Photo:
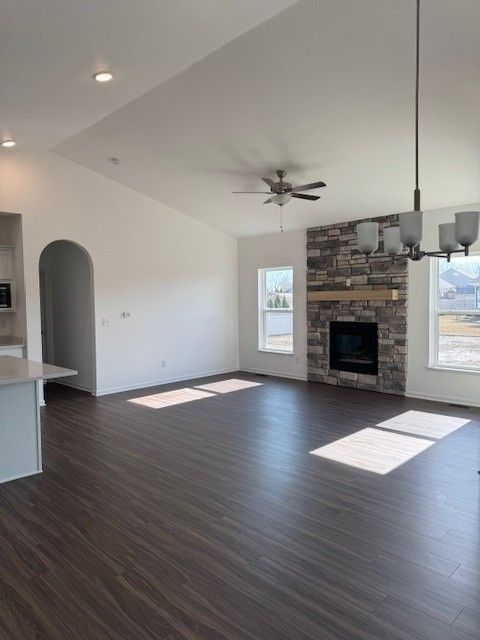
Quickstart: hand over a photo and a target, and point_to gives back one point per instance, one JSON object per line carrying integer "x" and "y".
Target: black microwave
{"x": 5, "y": 295}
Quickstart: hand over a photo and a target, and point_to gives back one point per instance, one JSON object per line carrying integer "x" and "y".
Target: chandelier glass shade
{"x": 411, "y": 228}
{"x": 466, "y": 227}
{"x": 367, "y": 236}
{"x": 446, "y": 237}
{"x": 392, "y": 243}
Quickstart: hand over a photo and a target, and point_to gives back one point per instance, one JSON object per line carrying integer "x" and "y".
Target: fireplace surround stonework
{"x": 332, "y": 258}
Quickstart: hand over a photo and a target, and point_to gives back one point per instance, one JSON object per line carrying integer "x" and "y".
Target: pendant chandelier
{"x": 454, "y": 237}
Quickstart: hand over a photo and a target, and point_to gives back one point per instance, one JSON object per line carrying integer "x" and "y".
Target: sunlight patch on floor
{"x": 423, "y": 423}
{"x": 374, "y": 450}
{"x": 227, "y": 386}
{"x": 190, "y": 394}
{"x": 171, "y": 398}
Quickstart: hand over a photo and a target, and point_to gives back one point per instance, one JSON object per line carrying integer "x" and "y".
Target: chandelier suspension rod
{"x": 416, "y": 204}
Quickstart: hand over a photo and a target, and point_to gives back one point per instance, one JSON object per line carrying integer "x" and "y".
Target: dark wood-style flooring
{"x": 210, "y": 519}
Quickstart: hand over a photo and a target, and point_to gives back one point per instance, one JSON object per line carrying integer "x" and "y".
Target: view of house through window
{"x": 276, "y": 309}
{"x": 456, "y": 313}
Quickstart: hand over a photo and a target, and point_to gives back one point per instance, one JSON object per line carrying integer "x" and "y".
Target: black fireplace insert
{"x": 354, "y": 347}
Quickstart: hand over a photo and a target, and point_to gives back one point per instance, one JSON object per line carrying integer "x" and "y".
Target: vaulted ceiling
{"x": 49, "y": 50}
{"x": 209, "y": 96}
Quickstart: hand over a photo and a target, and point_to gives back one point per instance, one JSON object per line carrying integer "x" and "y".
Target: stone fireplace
{"x": 355, "y": 342}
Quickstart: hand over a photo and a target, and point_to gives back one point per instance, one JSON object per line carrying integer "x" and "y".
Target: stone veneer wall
{"x": 332, "y": 257}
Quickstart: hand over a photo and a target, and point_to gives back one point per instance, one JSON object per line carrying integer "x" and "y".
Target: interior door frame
{"x": 47, "y": 311}
{"x": 46, "y": 315}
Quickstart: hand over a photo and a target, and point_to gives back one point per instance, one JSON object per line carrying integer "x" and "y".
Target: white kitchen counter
{"x": 20, "y": 437}
{"x": 15, "y": 370}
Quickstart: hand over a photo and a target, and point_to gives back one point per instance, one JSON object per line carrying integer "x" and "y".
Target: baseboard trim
{"x": 443, "y": 399}
{"x": 158, "y": 383}
{"x": 276, "y": 374}
{"x": 73, "y": 385}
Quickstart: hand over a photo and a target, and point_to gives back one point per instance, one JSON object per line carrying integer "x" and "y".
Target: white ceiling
{"x": 322, "y": 89}
{"x": 49, "y": 50}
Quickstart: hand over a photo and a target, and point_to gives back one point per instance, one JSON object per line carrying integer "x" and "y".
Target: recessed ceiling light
{"x": 8, "y": 143}
{"x": 103, "y": 76}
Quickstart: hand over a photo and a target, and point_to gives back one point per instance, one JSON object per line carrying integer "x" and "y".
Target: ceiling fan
{"x": 282, "y": 191}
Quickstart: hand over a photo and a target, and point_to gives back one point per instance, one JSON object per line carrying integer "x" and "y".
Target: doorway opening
{"x": 67, "y": 311}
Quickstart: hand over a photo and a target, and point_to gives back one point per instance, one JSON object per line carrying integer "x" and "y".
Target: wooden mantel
{"x": 353, "y": 294}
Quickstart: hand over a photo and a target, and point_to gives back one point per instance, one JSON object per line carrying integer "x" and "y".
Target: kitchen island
{"x": 20, "y": 433}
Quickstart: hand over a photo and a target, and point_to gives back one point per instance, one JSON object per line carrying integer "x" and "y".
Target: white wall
{"x": 69, "y": 300}
{"x": 422, "y": 382}
{"x": 279, "y": 250}
{"x": 176, "y": 276}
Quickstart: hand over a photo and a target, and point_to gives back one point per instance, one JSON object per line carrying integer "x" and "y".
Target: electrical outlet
{"x": 125, "y": 314}
{"x": 105, "y": 322}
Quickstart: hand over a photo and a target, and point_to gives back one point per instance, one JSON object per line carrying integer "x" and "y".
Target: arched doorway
{"x": 67, "y": 311}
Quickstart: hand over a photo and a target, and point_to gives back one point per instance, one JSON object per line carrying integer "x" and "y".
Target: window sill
{"x": 282, "y": 353}
{"x": 475, "y": 372}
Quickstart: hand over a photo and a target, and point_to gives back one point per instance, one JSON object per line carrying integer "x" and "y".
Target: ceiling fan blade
{"x": 250, "y": 191}
{"x": 267, "y": 201}
{"x": 306, "y": 187}
{"x": 268, "y": 181}
{"x": 304, "y": 196}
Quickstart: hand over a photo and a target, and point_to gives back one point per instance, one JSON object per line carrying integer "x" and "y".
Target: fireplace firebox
{"x": 354, "y": 347}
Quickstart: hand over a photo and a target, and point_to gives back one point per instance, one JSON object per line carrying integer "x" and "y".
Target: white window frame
{"x": 262, "y": 311}
{"x": 434, "y": 324}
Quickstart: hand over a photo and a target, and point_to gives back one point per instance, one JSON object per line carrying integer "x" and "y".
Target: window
{"x": 455, "y": 340}
{"x": 275, "y": 309}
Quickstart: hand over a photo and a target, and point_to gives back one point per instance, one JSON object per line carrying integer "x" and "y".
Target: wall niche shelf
{"x": 353, "y": 294}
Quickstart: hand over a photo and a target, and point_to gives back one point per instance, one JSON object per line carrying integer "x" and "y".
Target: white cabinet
{"x": 6, "y": 263}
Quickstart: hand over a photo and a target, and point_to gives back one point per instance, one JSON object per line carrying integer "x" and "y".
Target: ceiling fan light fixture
{"x": 281, "y": 199}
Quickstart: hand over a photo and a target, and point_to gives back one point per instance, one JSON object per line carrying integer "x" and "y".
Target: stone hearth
{"x": 332, "y": 258}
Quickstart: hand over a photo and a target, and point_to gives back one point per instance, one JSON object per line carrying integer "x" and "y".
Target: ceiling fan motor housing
{"x": 281, "y": 187}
